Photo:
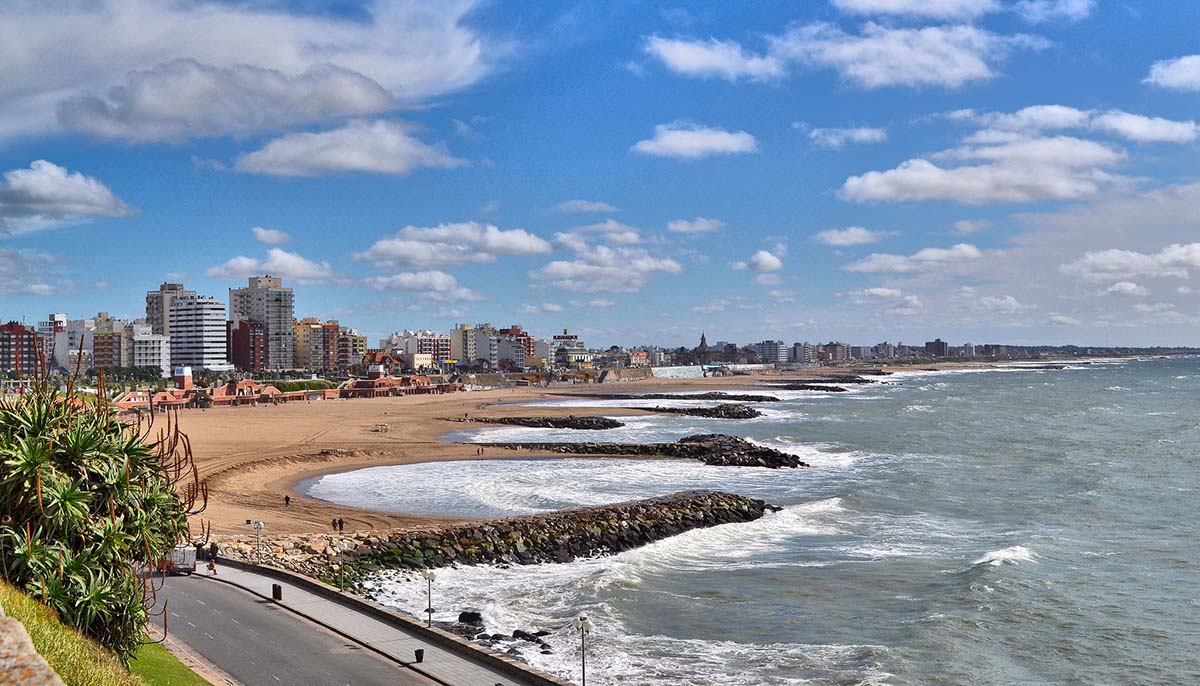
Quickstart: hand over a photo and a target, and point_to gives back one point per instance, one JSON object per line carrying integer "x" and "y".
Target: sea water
{"x": 1027, "y": 526}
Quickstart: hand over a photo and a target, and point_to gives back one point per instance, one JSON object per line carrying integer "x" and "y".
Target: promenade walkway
{"x": 440, "y": 664}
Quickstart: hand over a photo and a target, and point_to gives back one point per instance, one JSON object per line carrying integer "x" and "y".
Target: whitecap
{"x": 1011, "y": 555}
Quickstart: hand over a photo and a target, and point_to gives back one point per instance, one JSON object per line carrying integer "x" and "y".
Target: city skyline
{"x": 857, "y": 170}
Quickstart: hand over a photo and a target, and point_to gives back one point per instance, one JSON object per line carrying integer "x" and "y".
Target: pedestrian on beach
{"x": 212, "y": 551}
{"x": 333, "y": 524}
{"x": 287, "y": 500}
{"x": 341, "y": 524}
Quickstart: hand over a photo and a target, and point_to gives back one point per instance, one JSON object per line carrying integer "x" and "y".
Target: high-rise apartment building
{"x": 437, "y": 346}
{"x": 248, "y": 345}
{"x": 315, "y": 343}
{"x": 20, "y": 350}
{"x": 937, "y": 348}
{"x": 152, "y": 350}
{"x": 264, "y": 299}
{"x": 352, "y": 347}
{"x": 158, "y": 306}
{"x": 198, "y": 333}
{"x": 771, "y": 352}
{"x": 462, "y": 344}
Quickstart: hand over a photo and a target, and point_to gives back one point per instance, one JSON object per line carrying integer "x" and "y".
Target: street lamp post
{"x": 429, "y": 577}
{"x": 341, "y": 546}
{"x": 585, "y": 626}
{"x": 258, "y": 527}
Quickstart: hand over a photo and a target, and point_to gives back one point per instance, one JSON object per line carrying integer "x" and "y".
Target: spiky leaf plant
{"x": 88, "y": 503}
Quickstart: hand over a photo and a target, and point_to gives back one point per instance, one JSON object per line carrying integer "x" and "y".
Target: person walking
{"x": 333, "y": 524}
{"x": 212, "y": 566}
{"x": 341, "y": 525}
{"x": 287, "y": 500}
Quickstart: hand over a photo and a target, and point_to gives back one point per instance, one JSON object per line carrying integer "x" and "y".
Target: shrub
{"x": 88, "y": 503}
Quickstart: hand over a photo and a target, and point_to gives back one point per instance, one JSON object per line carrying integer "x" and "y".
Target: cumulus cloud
{"x": 1105, "y": 265}
{"x": 1060, "y": 319}
{"x": 689, "y": 141}
{"x": 1042, "y": 11}
{"x": 713, "y": 59}
{"x": 1153, "y": 307}
{"x": 271, "y": 236}
{"x": 897, "y": 301}
{"x": 837, "y": 138}
{"x": 278, "y": 262}
{"x": 695, "y": 225}
{"x": 925, "y": 9}
{"x": 964, "y": 227}
{"x": 851, "y": 235}
{"x": 882, "y": 56}
{"x": 1145, "y": 129}
{"x": 922, "y": 260}
{"x": 605, "y": 269}
{"x": 428, "y": 285}
{"x": 586, "y": 206}
{"x": 185, "y": 99}
{"x": 378, "y": 147}
{"x": 609, "y": 230}
{"x": 1126, "y": 288}
{"x": 970, "y": 299}
{"x": 711, "y": 307}
{"x": 234, "y": 48}
{"x": 544, "y": 308}
{"x": 601, "y": 302}
{"x": 46, "y": 195}
{"x": 1179, "y": 73}
{"x": 760, "y": 261}
{"x": 1016, "y": 169}
{"x": 451, "y": 245}
{"x": 27, "y": 272}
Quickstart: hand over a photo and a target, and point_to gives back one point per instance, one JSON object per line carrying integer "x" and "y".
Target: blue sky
{"x": 986, "y": 170}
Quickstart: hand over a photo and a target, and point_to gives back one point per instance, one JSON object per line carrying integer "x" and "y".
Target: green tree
{"x": 88, "y": 504}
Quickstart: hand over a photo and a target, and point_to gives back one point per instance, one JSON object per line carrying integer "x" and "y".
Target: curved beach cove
{"x": 1002, "y": 527}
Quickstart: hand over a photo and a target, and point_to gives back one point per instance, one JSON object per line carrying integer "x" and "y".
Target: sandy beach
{"x": 254, "y": 456}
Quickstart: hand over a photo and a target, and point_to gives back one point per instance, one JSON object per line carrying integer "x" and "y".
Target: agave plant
{"x": 88, "y": 503}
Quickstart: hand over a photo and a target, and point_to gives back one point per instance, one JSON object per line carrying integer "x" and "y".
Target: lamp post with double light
{"x": 429, "y": 577}
{"x": 585, "y": 626}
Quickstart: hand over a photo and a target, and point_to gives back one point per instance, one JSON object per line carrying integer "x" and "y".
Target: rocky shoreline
{"x": 722, "y": 411}
{"x": 711, "y": 449}
{"x": 561, "y": 536}
{"x": 808, "y": 387}
{"x": 587, "y": 423}
{"x": 710, "y": 395}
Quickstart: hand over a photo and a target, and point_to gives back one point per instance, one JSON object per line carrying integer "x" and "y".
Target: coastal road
{"x": 260, "y": 643}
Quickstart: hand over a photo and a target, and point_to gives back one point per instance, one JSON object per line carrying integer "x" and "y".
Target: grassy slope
{"x": 81, "y": 661}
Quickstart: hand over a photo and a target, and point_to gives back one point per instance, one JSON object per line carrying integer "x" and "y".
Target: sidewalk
{"x": 440, "y": 664}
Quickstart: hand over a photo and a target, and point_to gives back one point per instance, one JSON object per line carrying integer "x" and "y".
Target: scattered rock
{"x": 470, "y": 617}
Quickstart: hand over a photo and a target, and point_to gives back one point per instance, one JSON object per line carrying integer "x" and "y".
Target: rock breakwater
{"x": 554, "y": 537}
{"x": 722, "y": 411}
{"x": 569, "y": 422}
{"x": 709, "y": 395}
{"x": 711, "y": 449}
{"x": 808, "y": 387}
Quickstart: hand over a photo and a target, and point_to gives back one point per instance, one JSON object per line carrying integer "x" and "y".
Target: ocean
{"x": 1008, "y": 527}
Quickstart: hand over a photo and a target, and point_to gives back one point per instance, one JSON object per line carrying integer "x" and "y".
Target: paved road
{"x": 261, "y": 644}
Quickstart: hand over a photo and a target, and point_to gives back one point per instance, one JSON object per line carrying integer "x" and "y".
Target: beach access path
{"x": 225, "y": 619}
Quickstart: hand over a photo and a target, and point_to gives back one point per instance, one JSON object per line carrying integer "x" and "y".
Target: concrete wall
{"x": 691, "y": 372}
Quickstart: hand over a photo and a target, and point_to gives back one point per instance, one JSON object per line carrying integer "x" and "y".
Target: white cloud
{"x": 605, "y": 269}
{"x": 585, "y": 206}
{"x": 713, "y": 59}
{"x": 441, "y": 52}
{"x": 851, "y": 235}
{"x": 695, "y": 225}
{"x": 1034, "y": 118}
{"x": 184, "y": 99}
{"x": 279, "y": 262}
{"x": 990, "y": 304}
{"x": 687, "y": 141}
{"x": 922, "y": 260}
{"x": 711, "y": 307}
{"x": 1059, "y": 319}
{"x": 429, "y": 285}
{"x": 925, "y": 9}
{"x": 1154, "y": 307}
{"x": 881, "y": 56}
{"x": 26, "y": 272}
{"x": 964, "y": 227}
{"x": 1180, "y": 73}
{"x": 836, "y": 138}
{"x": 1020, "y": 169}
{"x": 1145, "y": 129}
{"x": 270, "y": 236}
{"x": 1126, "y": 288}
{"x": 1103, "y": 265}
{"x": 46, "y": 195}
{"x": 379, "y": 147}
{"x": 601, "y": 302}
{"x": 609, "y": 230}
{"x": 897, "y": 301}
{"x": 541, "y": 309}
{"x": 451, "y": 245}
{"x": 1042, "y": 11}
{"x": 760, "y": 261}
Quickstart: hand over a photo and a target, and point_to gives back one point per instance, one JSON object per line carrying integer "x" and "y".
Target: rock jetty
{"x": 722, "y": 411}
{"x": 833, "y": 379}
{"x": 808, "y": 387}
{"x": 711, "y": 449}
{"x": 554, "y": 537}
{"x": 570, "y": 422}
{"x": 710, "y": 395}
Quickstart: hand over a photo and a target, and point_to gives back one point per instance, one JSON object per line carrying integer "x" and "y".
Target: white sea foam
{"x": 1011, "y": 555}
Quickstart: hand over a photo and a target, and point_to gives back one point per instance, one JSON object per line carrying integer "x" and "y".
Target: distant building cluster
{"x": 256, "y": 333}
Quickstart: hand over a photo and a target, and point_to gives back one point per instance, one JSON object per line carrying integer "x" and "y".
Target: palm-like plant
{"x": 88, "y": 502}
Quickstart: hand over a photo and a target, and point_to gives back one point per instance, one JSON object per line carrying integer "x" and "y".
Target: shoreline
{"x": 253, "y": 457}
